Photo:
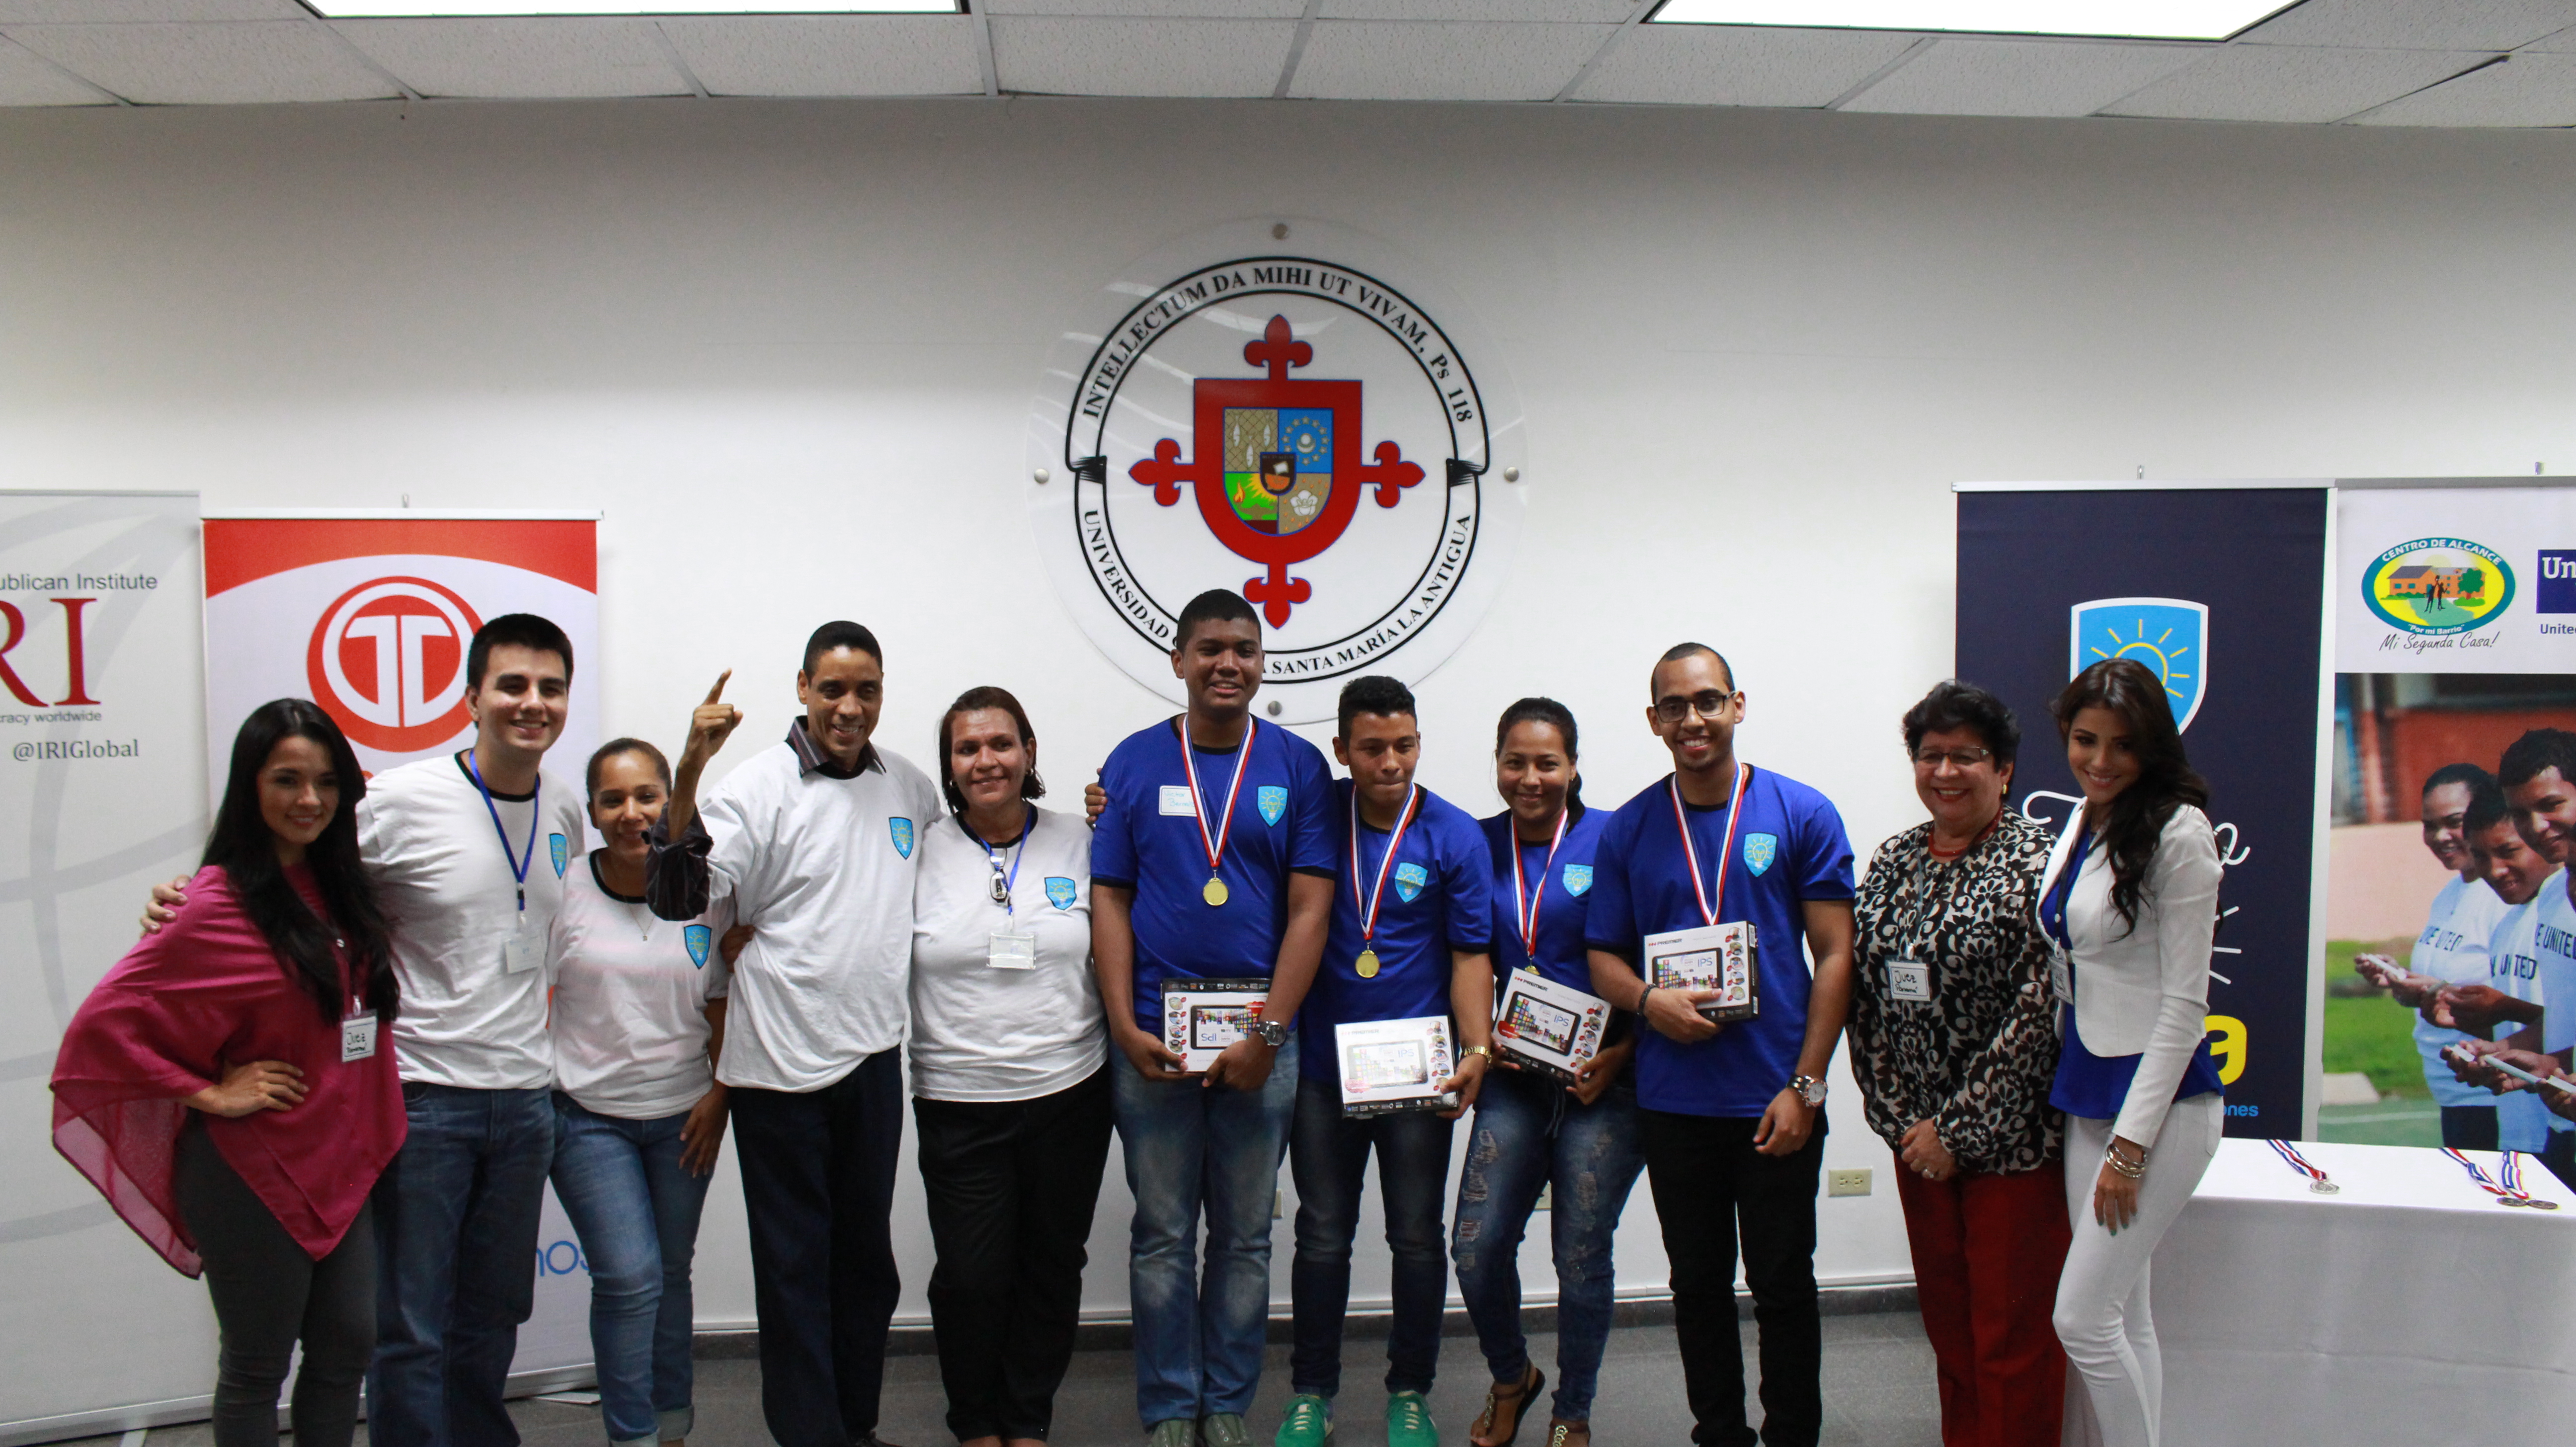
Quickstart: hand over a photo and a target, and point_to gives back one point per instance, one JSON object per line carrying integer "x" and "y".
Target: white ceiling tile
{"x": 1601, "y": 12}
{"x": 29, "y": 12}
{"x": 830, "y": 55}
{"x": 553, "y": 58}
{"x": 1738, "y": 65}
{"x": 1959, "y": 77}
{"x": 1441, "y": 60}
{"x": 1044, "y": 55}
{"x": 2529, "y": 90}
{"x": 26, "y": 80}
{"x": 2287, "y": 83}
{"x": 1161, "y": 9}
{"x": 2416, "y": 24}
{"x": 185, "y": 64}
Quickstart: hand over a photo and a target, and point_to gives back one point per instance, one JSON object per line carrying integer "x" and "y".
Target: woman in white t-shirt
{"x": 1009, "y": 1091}
{"x": 638, "y": 1021}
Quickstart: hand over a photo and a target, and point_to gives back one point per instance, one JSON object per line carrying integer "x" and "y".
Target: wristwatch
{"x": 1809, "y": 1088}
{"x": 1273, "y": 1033}
{"x": 1486, "y": 1051}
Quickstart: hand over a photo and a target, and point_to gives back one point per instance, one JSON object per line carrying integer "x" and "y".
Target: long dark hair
{"x": 1558, "y": 717}
{"x": 246, "y": 849}
{"x": 986, "y": 696}
{"x": 2166, "y": 780}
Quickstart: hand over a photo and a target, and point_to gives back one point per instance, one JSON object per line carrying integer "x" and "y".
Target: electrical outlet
{"x": 1847, "y": 1183}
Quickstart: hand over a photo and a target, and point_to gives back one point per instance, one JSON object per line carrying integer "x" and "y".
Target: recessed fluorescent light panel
{"x": 2123, "y": 19}
{"x": 372, "y": 9}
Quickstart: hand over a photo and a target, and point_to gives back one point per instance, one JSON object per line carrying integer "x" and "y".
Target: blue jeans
{"x": 636, "y": 1212}
{"x": 1188, "y": 1146}
{"x": 1530, "y": 1132}
{"x": 1329, "y": 1153}
{"x": 456, "y": 1263}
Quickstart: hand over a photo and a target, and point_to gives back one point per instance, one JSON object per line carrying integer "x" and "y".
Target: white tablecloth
{"x": 2408, "y": 1309}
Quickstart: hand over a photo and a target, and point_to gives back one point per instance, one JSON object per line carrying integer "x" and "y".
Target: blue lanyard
{"x": 2052, "y": 909}
{"x": 518, "y": 862}
{"x": 1011, "y": 883}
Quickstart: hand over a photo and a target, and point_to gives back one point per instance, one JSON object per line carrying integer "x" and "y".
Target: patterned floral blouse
{"x": 1976, "y": 1059}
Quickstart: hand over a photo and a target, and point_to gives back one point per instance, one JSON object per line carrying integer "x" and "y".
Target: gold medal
{"x": 1214, "y": 893}
{"x": 1368, "y": 964}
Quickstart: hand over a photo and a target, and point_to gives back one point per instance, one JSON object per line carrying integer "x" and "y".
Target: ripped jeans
{"x": 1528, "y": 1132}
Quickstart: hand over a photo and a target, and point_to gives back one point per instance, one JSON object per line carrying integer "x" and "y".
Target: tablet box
{"x": 1543, "y": 1026}
{"x": 1392, "y": 1065}
{"x": 1202, "y": 1017}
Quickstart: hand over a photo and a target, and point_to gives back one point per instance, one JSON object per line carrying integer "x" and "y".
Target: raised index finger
{"x": 716, "y": 694}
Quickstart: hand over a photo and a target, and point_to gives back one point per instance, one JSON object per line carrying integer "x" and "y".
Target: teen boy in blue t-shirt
{"x": 1731, "y": 1117}
{"x": 1213, "y": 858}
{"x": 1412, "y": 923}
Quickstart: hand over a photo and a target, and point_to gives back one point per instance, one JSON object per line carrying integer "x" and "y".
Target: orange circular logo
{"x": 387, "y": 662}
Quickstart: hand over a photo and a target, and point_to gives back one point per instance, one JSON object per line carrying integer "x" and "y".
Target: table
{"x": 2408, "y": 1309}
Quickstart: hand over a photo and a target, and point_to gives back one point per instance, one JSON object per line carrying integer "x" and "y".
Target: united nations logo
{"x": 2432, "y": 587}
{"x": 1294, "y": 425}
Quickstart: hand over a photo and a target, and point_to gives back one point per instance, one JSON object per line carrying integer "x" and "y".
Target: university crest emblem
{"x": 1272, "y": 801}
{"x": 1578, "y": 878}
{"x": 1293, "y": 426}
{"x": 559, "y": 849}
{"x": 1059, "y": 891}
{"x": 699, "y": 939}
{"x": 1759, "y": 851}
{"x": 2169, "y": 635}
{"x": 901, "y": 828}
{"x": 1409, "y": 880}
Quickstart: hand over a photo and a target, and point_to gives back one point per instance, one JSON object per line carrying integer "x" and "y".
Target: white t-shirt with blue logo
{"x": 631, "y": 993}
{"x": 982, "y": 1032}
{"x": 2513, "y": 968}
{"x": 2453, "y": 948}
{"x": 449, "y": 890}
{"x": 2554, "y": 943}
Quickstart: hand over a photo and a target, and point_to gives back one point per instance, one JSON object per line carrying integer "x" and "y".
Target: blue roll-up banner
{"x": 2221, "y": 591}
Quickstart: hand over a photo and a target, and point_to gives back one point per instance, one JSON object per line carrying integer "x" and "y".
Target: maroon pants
{"x": 1987, "y": 1250}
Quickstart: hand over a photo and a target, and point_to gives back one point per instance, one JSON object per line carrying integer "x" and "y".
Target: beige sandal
{"x": 1500, "y": 1399}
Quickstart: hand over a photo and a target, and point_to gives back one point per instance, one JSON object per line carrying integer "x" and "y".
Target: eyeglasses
{"x": 1708, "y": 703}
{"x": 1960, "y": 759}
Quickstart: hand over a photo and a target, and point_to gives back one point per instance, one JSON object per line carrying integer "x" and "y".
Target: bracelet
{"x": 2132, "y": 1169}
{"x": 1642, "y": 997}
{"x": 1486, "y": 1051}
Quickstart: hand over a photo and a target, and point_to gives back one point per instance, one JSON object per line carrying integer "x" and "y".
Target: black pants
{"x": 1011, "y": 1187}
{"x": 2469, "y": 1127}
{"x": 1712, "y": 1188}
{"x": 818, "y": 1184}
{"x": 2560, "y": 1157}
{"x": 268, "y": 1294}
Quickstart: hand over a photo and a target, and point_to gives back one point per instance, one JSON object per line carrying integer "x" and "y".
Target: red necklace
{"x": 1937, "y": 852}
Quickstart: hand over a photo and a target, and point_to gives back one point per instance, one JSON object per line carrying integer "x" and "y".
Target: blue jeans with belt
{"x": 1530, "y": 1132}
{"x": 1191, "y": 1146}
{"x": 636, "y": 1211}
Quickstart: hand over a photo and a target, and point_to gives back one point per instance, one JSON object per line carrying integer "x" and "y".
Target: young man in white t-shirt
{"x": 467, "y": 852}
{"x": 814, "y": 841}
{"x": 2451, "y": 950}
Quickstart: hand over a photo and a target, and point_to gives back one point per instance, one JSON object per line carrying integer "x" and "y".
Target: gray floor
{"x": 1878, "y": 1393}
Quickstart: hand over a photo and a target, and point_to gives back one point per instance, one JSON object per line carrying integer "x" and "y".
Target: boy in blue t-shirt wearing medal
{"x": 1412, "y": 926}
{"x": 1730, "y": 1116}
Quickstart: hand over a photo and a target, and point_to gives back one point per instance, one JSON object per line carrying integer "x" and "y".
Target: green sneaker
{"x": 1176, "y": 1432}
{"x": 1408, "y": 1422}
{"x": 1309, "y": 1423}
{"x": 1223, "y": 1429}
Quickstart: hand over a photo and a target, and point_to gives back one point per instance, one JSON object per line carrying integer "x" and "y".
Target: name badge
{"x": 1909, "y": 980}
{"x": 357, "y": 1038}
{"x": 1012, "y": 951}
{"x": 521, "y": 952}
{"x": 1176, "y": 799}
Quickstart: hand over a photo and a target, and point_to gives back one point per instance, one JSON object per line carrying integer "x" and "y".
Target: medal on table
{"x": 1214, "y": 843}
{"x": 1367, "y": 963}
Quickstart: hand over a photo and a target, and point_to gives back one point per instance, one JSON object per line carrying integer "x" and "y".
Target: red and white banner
{"x": 369, "y": 613}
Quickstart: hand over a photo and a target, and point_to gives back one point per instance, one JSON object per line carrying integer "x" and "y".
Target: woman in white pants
{"x": 2131, "y": 904}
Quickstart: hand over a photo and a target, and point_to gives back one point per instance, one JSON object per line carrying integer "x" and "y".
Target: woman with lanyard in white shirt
{"x": 2131, "y": 904}
{"x": 1010, "y": 1092}
{"x": 638, "y": 1022}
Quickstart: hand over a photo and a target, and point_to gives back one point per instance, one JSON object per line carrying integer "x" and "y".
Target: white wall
{"x": 788, "y": 350}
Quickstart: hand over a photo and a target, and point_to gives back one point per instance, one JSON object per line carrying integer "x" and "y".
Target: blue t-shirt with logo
{"x": 1791, "y": 849}
{"x": 1438, "y": 898}
{"x": 1148, "y": 840}
{"x": 1563, "y": 888}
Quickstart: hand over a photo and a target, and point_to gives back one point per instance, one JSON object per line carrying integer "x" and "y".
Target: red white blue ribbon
{"x": 2316, "y": 1176}
{"x": 2510, "y": 1193}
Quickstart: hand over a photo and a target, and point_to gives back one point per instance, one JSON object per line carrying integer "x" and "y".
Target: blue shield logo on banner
{"x": 1059, "y": 891}
{"x": 698, "y": 938}
{"x": 1409, "y": 879}
{"x": 1760, "y": 850}
{"x": 2169, "y": 635}
{"x": 1272, "y": 801}
{"x": 560, "y": 850}
{"x": 1578, "y": 878}
{"x": 902, "y": 830}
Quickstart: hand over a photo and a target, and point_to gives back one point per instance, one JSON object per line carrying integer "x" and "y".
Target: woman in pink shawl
{"x": 230, "y": 1085}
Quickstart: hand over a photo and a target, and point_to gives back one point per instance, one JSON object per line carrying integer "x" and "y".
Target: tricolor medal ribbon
{"x": 1690, "y": 852}
{"x": 2317, "y": 1181}
{"x": 1528, "y": 912}
{"x": 1367, "y": 964}
{"x": 1215, "y": 891}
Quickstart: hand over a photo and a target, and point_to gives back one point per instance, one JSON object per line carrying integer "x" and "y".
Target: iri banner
{"x": 369, "y": 615}
{"x": 2220, "y": 591}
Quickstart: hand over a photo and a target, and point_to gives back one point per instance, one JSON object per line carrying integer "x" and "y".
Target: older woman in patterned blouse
{"x": 1954, "y": 1049}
